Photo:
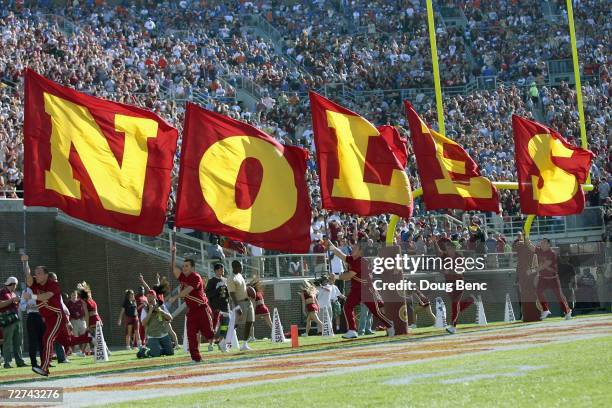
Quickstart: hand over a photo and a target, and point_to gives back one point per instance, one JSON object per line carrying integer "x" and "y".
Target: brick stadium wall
{"x": 109, "y": 268}
{"x": 41, "y": 244}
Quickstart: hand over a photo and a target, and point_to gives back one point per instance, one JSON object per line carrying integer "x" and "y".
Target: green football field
{"x": 575, "y": 374}
{"x": 545, "y": 364}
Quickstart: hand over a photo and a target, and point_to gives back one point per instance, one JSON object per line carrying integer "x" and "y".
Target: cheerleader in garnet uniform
{"x": 309, "y": 297}
{"x": 458, "y": 302}
{"x": 90, "y": 308}
{"x": 129, "y": 317}
{"x": 255, "y": 292}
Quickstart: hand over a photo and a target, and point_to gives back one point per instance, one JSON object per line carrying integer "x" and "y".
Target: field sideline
{"x": 552, "y": 363}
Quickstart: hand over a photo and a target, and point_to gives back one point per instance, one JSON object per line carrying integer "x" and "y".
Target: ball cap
{"x": 11, "y": 280}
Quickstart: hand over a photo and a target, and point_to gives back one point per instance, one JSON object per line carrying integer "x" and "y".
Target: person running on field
{"x": 548, "y": 278}
{"x": 47, "y": 294}
{"x": 199, "y": 315}
{"x": 360, "y": 283}
{"x": 448, "y": 250}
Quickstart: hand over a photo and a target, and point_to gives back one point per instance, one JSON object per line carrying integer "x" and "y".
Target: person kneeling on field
{"x": 154, "y": 318}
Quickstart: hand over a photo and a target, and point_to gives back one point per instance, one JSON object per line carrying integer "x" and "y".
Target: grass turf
{"x": 554, "y": 375}
{"x": 124, "y": 360}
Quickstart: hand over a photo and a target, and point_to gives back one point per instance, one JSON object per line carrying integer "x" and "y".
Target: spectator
{"x": 11, "y": 324}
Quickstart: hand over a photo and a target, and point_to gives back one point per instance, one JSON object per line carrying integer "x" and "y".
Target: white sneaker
{"x": 545, "y": 314}
{"x": 413, "y": 326}
{"x": 451, "y": 329}
{"x": 391, "y": 331}
{"x": 568, "y": 315}
{"x": 79, "y": 354}
{"x": 351, "y": 334}
{"x": 245, "y": 347}
{"x": 40, "y": 371}
{"x": 128, "y": 347}
{"x": 223, "y": 346}
{"x": 251, "y": 339}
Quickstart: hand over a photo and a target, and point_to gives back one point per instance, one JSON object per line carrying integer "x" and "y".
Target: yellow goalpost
{"x": 501, "y": 185}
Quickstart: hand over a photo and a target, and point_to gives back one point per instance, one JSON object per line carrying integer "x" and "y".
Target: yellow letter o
{"x": 276, "y": 201}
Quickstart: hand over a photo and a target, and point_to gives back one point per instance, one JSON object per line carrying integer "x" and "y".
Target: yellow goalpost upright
{"x": 502, "y": 185}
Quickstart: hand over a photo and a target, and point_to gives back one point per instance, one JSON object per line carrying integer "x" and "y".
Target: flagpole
{"x": 172, "y": 252}
{"x": 572, "y": 30}
{"x": 25, "y": 243}
{"x": 434, "y": 63}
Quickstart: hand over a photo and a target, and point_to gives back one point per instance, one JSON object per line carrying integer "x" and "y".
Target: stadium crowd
{"x": 159, "y": 54}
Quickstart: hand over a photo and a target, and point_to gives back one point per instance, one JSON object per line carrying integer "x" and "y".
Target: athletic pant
{"x": 36, "y": 329}
{"x": 555, "y": 286}
{"x": 56, "y": 330}
{"x": 161, "y": 346}
{"x": 199, "y": 320}
{"x": 216, "y": 317}
{"x": 365, "y": 320}
{"x": 223, "y": 324}
{"x": 353, "y": 299}
{"x": 458, "y": 305}
{"x": 13, "y": 337}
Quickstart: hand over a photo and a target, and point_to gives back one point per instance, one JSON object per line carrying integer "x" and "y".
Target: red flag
{"x": 103, "y": 162}
{"x": 449, "y": 176}
{"x": 551, "y": 171}
{"x": 239, "y": 182}
{"x": 361, "y": 167}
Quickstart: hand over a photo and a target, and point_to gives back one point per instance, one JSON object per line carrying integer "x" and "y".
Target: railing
{"x": 562, "y": 66}
{"x": 589, "y": 222}
{"x": 268, "y": 29}
{"x": 64, "y": 24}
{"x": 186, "y": 245}
{"x": 247, "y": 84}
{"x": 268, "y": 266}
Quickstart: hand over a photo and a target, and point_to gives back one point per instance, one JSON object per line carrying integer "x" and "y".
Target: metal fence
{"x": 590, "y": 221}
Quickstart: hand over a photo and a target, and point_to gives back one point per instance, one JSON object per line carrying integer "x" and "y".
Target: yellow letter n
{"x": 120, "y": 188}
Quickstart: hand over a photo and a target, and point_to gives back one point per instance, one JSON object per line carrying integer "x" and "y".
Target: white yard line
{"x": 166, "y": 381}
